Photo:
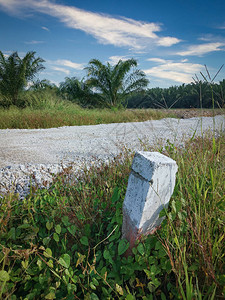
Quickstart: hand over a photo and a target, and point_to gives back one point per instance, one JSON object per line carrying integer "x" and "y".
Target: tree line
{"x": 105, "y": 85}
{"x": 201, "y": 94}
{"x": 120, "y": 85}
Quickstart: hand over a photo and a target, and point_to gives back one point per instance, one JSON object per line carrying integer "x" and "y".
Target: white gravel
{"x": 44, "y": 152}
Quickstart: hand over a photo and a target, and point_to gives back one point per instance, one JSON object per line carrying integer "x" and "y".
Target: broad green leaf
{"x": 69, "y": 287}
{"x": 50, "y": 296}
{"x": 25, "y": 264}
{"x": 156, "y": 282}
{"x": 94, "y": 296}
{"x": 41, "y": 279}
{"x": 46, "y": 240}
{"x": 64, "y": 260}
{"x": 24, "y": 226}
{"x": 48, "y": 252}
{"x": 148, "y": 273}
{"x": 72, "y": 229}
{"x": 162, "y": 252}
{"x": 151, "y": 286}
{"x": 134, "y": 250}
{"x": 39, "y": 263}
{"x": 4, "y": 276}
{"x": 141, "y": 249}
{"x": 56, "y": 237}
{"x": 84, "y": 241}
{"x": 122, "y": 247}
{"x": 153, "y": 270}
{"x": 92, "y": 286}
{"x": 49, "y": 225}
{"x": 95, "y": 281}
{"x": 58, "y": 229}
{"x": 105, "y": 292}
{"x": 130, "y": 297}
{"x": 151, "y": 260}
{"x": 119, "y": 289}
{"x": 158, "y": 245}
{"x": 107, "y": 256}
{"x": 50, "y": 263}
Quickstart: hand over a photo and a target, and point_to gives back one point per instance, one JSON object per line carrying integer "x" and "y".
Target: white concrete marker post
{"x": 150, "y": 186}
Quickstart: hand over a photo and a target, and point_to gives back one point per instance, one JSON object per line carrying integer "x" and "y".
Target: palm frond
{"x": 113, "y": 83}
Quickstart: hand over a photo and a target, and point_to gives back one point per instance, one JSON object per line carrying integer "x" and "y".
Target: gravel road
{"x": 43, "y": 151}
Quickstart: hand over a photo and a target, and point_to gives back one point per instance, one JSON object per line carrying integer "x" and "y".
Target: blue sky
{"x": 172, "y": 40}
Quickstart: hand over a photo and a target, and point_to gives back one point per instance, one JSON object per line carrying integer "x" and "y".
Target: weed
{"x": 66, "y": 241}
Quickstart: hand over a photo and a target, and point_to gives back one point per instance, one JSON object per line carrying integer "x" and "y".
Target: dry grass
{"x": 71, "y": 115}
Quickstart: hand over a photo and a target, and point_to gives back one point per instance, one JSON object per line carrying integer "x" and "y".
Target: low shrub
{"x": 65, "y": 242}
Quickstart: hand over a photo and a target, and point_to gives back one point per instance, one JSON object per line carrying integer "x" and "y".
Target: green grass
{"x": 68, "y": 114}
{"x": 65, "y": 242}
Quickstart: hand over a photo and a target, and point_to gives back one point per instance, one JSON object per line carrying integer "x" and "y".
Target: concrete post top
{"x": 145, "y": 163}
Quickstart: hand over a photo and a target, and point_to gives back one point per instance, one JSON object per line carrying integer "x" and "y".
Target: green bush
{"x": 65, "y": 242}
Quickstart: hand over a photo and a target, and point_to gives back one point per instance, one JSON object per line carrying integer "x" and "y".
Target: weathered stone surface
{"x": 150, "y": 186}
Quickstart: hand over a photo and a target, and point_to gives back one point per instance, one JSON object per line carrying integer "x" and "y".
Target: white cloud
{"x": 59, "y": 69}
{"x": 34, "y": 42}
{"x": 168, "y": 41}
{"x": 198, "y": 50}
{"x": 114, "y": 59}
{"x": 181, "y": 72}
{"x": 64, "y": 65}
{"x": 157, "y": 60}
{"x": 106, "y": 29}
{"x": 69, "y": 63}
{"x": 45, "y": 28}
{"x": 221, "y": 27}
{"x": 16, "y": 7}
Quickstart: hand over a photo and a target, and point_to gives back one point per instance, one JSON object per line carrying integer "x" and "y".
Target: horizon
{"x": 172, "y": 41}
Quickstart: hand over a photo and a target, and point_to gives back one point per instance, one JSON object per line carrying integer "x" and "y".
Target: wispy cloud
{"x": 198, "y": 50}
{"x": 45, "y": 28}
{"x": 115, "y": 59}
{"x": 106, "y": 29}
{"x": 59, "y": 69}
{"x": 221, "y": 26}
{"x": 157, "y": 60}
{"x": 67, "y": 63}
{"x": 181, "y": 72}
{"x": 34, "y": 42}
{"x": 167, "y": 41}
{"x": 64, "y": 66}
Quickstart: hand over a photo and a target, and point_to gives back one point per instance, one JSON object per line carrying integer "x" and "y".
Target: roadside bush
{"x": 65, "y": 242}
{"x": 42, "y": 99}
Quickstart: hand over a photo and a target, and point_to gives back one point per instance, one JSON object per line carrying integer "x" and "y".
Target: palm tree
{"x": 114, "y": 83}
{"x": 76, "y": 90}
{"x": 16, "y": 72}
